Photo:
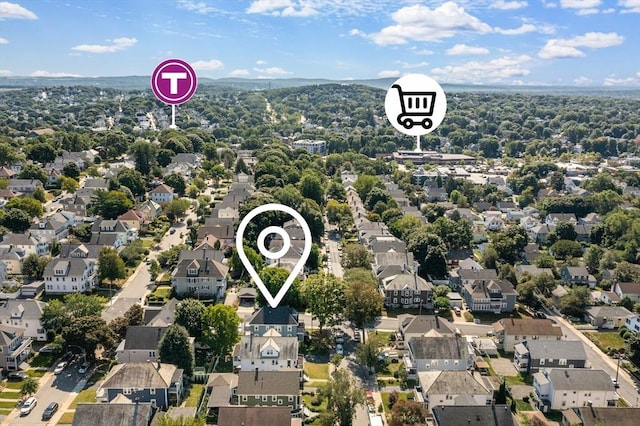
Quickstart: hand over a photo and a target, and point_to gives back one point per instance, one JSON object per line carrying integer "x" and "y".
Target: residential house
{"x": 407, "y": 290}
{"x": 160, "y": 316}
{"x": 493, "y": 220}
{"x": 583, "y": 233}
{"x": 558, "y": 293}
{"x": 114, "y": 414}
{"x": 282, "y": 319}
{"x": 529, "y": 222}
{"x": 530, "y": 253}
{"x": 389, "y": 263}
{"x": 6, "y": 173}
{"x": 156, "y": 383}
{"x": 436, "y": 194}
{"x": 25, "y": 244}
{"x": 435, "y": 352}
{"x": 26, "y": 186}
{"x": 71, "y": 275}
{"x": 540, "y": 233}
{"x": 452, "y": 388}
{"x": 14, "y": 346}
{"x": 205, "y": 278}
{"x": 25, "y": 314}
{"x": 270, "y": 388}
{"x": 490, "y": 296}
{"x": 633, "y": 323}
{"x": 476, "y": 415}
{"x": 53, "y": 228}
{"x": 140, "y": 344}
{"x": 11, "y": 260}
{"x": 608, "y": 317}
{"x": 222, "y": 388}
{"x": 630, "y": 290}
{"x": 559, "y": 389}
{"x": 6, "y": 195}
{"x": 162, "y": 194}
{"x": 577, "y": 275}
{"x": 270, "y": 352}
{"x": 591, "y": 219}
{"x": 515, "y": 215}
{"x": 150, "y": 209}
{"x": 532, "y": 356}
{"x": 411, "y": 326}
{"x": 240, "y": 415}
{"x": 511, "y": 331}
{"x": 553, "y": 219}
{"x": 532, "y": 271}
{"x": 387, "y": 243}
{"x": 124, "y": 232}
{"x": 599, "y": 416}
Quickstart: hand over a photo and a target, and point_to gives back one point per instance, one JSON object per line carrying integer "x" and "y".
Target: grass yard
{"x": 194, "y": 395}
{"x": 10, "y": 395}
{"x": 402, "y": 396}
{"x": 316, "y": 370}
{"x": 87, "y": 395}
{"x": 163, "y": 291}
{"x": 13, "y": 385}
{"x": 36, "y": 373}
{"x": 8, "y": 404}
{"x": 523, "y": 406}
{"x": 606, "y": 340}
{"x": 316, "y": 385}
{"x": 42, "y": 360}
{"x": 389, "y": 368}
{"x": 316, "y": 408}
{"x": 67, "y": 418}
{"x": 521, "y": 379}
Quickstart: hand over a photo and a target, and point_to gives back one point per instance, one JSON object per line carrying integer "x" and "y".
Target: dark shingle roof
{"x": 285, "y": 382}
{"x": 558, "y": 349}
{"x": 254, "y": 416}
{"x": 143, "y": 375}
{"x": 143, "y": 338}
{"x": 98, "y": 414}
{"x": 474, "y": 415}
{"x": 281, "y": 315}
{"x": 445, "y": 347}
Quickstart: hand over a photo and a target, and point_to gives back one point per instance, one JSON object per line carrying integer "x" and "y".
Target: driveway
{"x": 503, "y": 366}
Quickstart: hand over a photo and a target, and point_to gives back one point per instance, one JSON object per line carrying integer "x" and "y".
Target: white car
{"x": 28, "y": 406}
{"x": 60, "y": 368}
{"x": 339, "y": 350}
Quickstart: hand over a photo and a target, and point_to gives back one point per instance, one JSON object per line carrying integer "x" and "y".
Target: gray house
{"x": 531, "y": 356}
{"x": 140, "y": 344}
{"x": 435, "y": 352}
{"x": 282, "y": 319}
{"x": 490, "y": 296}
{"x": 156, "y": 383}
{"x": 270, "y": 388}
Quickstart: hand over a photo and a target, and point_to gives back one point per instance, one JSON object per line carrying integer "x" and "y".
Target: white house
{"x": 559, "y": 389}
{"x": 26, "y": 314}
{"x": 271, "y": 352}
{"x": 162, "y": 194}
{"x": 493, "y": 220}
{"x": 69, "y": 276}
{"x": 633, "y": 323}
{"x": 453, "y": 388}
{"x": 435, "y": 352}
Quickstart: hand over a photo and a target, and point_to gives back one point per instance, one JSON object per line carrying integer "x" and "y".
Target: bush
{"x": 316, "y": 400}
{"x": 468, "y": 316}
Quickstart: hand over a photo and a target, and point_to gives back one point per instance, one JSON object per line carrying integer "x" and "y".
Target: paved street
{"x": 62, "y": 389}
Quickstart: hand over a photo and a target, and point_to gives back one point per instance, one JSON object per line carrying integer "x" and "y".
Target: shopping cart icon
{"x": 417, "y": 108}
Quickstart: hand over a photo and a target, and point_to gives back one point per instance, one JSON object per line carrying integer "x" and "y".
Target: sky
{"x": 515, "y": 42}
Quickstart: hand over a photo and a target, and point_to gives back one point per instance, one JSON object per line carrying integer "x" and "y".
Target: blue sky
{"x": 553, "y": 42}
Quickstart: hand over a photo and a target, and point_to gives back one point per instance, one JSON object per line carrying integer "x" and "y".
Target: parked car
{"x": 457, "y": 310}
{"x": 172, "y": 231}
{"x": 357, "y": 336}
{"x": 60, "y": 368}
{"x": 16, "y": 376}
{"x": 50, "y": 411}
{"x": 28, "y": 406}
{"x": 615, "y": 382}
{"x": 339, "y": 349}
{"x": 48, "y": 349}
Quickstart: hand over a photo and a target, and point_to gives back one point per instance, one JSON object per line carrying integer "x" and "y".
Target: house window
{"x": 264, "y": 398}
{"x": 274, "y": 398}
{"x": 152, "y": 354}
{"x": 290, "y": 399}
{"x": 562, "y": 362}
{"x": 127, "y": 391}
{"x": 152, "y": 391}
{"x": 542, "y": 361}
{"x": 244, "y": 398}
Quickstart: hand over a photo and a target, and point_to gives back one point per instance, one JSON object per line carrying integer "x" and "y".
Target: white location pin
{"x": 274, "y": 301}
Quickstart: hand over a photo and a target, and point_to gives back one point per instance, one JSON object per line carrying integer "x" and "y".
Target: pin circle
{"x": 286, "y": 242}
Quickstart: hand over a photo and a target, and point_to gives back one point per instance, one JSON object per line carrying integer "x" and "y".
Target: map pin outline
{"x": 271, "y": 300}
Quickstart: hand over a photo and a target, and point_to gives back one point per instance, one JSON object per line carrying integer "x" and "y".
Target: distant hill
{"x": 143, "y": 83}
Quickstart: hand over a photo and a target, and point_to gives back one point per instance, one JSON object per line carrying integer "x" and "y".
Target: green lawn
{"x": 36, "y": 373}
{"x": 87, "y": 395}
{"x": 316, "y": 370}
{"x": 523, "y": 406}
{"x": 8, "y": 404}
{"x": 316, "y": 408}
{"x": 606, "y": 340}
{"x": 194, "y": 395}
{"x": 10, "y": 395}
{"x": 13, "y": 385}
{"x": 67, "y": 418}
{"x": 389, "y": 368}
{"x": 163, "y": 291}
{"x": 402, "y": 396}
{"x": 42, "y": 360}
{"x": 521, "y": 379}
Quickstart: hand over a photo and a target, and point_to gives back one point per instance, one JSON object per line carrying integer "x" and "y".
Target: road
{"x": 62, "y": 389}
{"x": 139, "y": 283}
{"x": 334, "y": 261}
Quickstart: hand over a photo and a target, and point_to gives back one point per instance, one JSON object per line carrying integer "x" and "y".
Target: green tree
{"x": 566, "y": 231}
{"x": 221, "y": 329}
{"x": 154, "y": 269}
{"x": 430, "y": 251}
{"x": 33, "y": 171}
{"x": 175, "y": 348}
{"x": 627, "y": 303}
{"x": 110, "y": 265}
{"x": 29, "y": 386}
{"x": 566, "y": 248}
{"x": 54, "y": 316}
{"x": 110, "y": 204}
{"x": 592, "y": 258}
{"x": 324, "y": 295}
{"x": 16, "y": 220}
{"x": 238, "y": 269}
{"x": 356, "y": 256}
{"x": 134, "y": 315}
{"x": 363, "y": 303}
{"x": 68, "y": 184}
{"x": 33, "y": 266}
{"x": 88, "y": 332}
{"x": 177, "y": 182}
{"x": 367, "y": 352}
{"x": 343, "y": 396}
{"x": 79, "y": 305}
{"x": 145, "y": 155}
{"x": 441, "y": 290}
{"x": 42, "y": 153}
{"x": 273, "y": 279}
{"x": 190, "y": 314}
{"x": 574, "y": 303}
{"x": 176, "y": 208}
{"x": 31, "y": 206}
{"x": 311, "y": 187}
{"x": 132, "y": 179}
{"x": 71, "y": 170}
{"x": 365, "y": 183}
{"x": 407, "y": 412}
{"x": 442, "y": 303}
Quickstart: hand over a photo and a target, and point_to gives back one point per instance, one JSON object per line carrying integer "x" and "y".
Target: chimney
{"x": 437, "y": 320}
{"x": 158, "y": 364}
{"x": 256, "y": 375}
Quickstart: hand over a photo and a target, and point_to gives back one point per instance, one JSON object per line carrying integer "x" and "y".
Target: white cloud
{"x": 583, "y": 81}
{"x": 463, "y": 49}
{"x": 210, "y": 65}
{"x": 568, "y": 48}
{"x": 282, "y": 8}
{"x": 3, "y": 40}
{"x": 549, "y": 4}
{"x": 115, "y": 46}
{"x": 193, "y": 6}
{"x": 508, "y": 5}
{"x": 496, "y": 70}
{"x": 239, "y": 73}
{"x": 580, "y": 4}
{"x": 5, "y": 73}
{"x": 420, "y": 23}
{"x": 14, "y": 11}
{"x": 389, "y": 73}
{"x": 612, "y": 80}
{"x": 356, "y": 32}
{"x": 261, "y": 62}
{"x": 588, "y": 11}
{"x": 522, "y": 29}
{"x": 271, "y": 72}
{"x": 42, "y": 73}
{"x": 630, "y": 6}
{"x": 407, "y": 65}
